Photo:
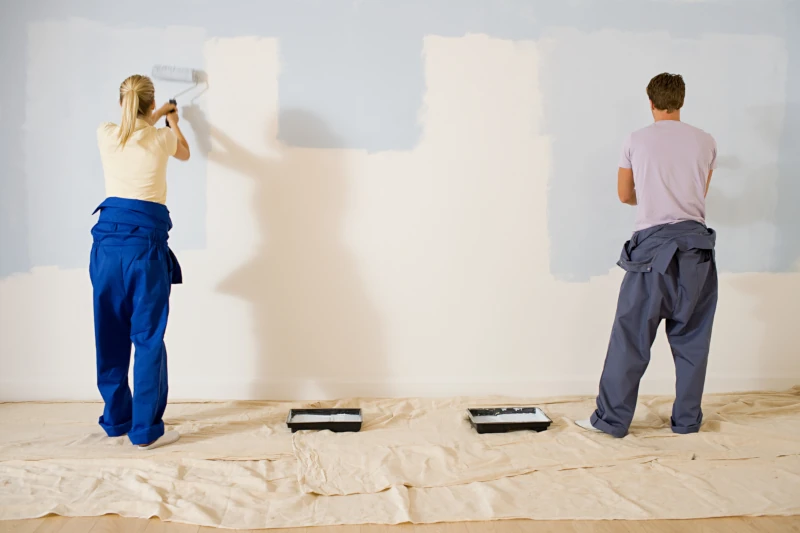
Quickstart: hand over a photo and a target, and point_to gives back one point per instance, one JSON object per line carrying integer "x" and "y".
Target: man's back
{"x": 671, "y": 161}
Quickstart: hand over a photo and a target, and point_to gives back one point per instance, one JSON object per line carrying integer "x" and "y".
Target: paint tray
{"x": 336, "y": 420}
{"x": 505, "y": 419}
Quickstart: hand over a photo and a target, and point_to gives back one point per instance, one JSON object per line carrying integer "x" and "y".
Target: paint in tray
{"x": 336, "y": 420}
{"x": 307, "y": 419}
{"x": 504, "y": 419}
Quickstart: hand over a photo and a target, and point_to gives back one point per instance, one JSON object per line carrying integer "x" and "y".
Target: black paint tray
{"x": 505, "y": 419}
{"x": 336, "y": 420}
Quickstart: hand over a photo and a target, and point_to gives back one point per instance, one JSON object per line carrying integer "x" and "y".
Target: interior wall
{"x": 396, "y": 199}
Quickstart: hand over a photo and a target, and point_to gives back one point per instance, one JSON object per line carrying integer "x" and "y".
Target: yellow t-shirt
{"x": 138, "y": 171}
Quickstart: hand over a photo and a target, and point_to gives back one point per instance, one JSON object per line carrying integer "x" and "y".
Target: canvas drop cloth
{"x": 237, "y": 466}
{"x": 231, "y": 430}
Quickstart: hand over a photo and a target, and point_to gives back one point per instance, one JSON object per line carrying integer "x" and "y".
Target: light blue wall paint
{"x": 375, "y": 104}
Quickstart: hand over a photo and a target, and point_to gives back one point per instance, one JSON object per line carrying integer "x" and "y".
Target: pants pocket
{"x": 150, "y": 290}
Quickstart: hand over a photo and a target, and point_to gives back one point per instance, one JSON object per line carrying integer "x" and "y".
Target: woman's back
{"x": 138, "y": 170}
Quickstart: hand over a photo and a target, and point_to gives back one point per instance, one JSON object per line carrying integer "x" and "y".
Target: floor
{"x": 115, "y": 524}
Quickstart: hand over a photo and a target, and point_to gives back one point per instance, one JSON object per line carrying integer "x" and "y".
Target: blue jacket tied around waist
{"x": 125, "y": 222}
{"x": 652, "y": 249}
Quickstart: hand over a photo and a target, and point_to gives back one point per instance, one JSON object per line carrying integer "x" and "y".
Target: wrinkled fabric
{"x": 671, "y": 275}
{"x": 264, "y": 494}
{"x": 736, "y": 426}
{"x": 415, "y": 460}
{"x": 235, "y": 431}
{"x": 427, "y": 443}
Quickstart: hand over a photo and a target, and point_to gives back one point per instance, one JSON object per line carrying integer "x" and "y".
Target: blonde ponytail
{"x": 136, "y": 96}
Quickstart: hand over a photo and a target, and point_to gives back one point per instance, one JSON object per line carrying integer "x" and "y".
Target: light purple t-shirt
{"x": 670, "y": 161}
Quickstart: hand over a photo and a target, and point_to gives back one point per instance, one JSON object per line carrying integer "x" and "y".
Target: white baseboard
{"x": 232, "y": 389}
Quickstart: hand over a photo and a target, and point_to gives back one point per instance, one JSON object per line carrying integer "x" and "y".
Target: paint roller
{"x": 177, "y": 74}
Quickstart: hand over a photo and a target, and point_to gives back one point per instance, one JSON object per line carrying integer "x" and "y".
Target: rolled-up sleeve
{"x": 169, "y": 140}
{"x": 625, "y": 154}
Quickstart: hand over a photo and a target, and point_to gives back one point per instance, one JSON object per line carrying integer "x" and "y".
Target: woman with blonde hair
{"x": 132, "y": 268}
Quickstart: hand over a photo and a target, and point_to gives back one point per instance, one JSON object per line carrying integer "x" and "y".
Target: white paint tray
{"x": 505, "y": 419}
{"x": 337, "y": 420}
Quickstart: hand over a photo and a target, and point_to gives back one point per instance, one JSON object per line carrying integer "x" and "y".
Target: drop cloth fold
{"x": 209, "y": 430}
{"x": 237, "y": 466}
{"x": 255, "y": 494}
{"x": 430, "y": 443}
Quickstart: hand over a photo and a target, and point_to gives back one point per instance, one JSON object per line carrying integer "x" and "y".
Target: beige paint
{"x": 333, "y": 273}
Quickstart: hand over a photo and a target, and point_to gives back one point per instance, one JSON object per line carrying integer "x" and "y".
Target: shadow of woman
{"x": 318, "y": 333}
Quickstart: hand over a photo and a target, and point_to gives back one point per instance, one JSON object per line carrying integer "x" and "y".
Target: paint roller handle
{"x": 170, "y": 118}
{"x": 172, "y": 122}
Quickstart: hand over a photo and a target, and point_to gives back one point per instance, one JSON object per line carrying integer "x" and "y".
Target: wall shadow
{"x": 194, "y": 115}
{"x": 318, "y": 333}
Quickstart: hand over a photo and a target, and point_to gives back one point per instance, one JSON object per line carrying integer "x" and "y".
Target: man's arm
{"x": 708, "y": 182}
{"x": 625, "y": 187}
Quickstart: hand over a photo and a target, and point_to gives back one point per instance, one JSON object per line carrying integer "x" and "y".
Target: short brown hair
{"x": 667, "y": 92}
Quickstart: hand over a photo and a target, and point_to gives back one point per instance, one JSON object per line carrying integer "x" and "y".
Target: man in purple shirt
{"x": 671, "y": 274}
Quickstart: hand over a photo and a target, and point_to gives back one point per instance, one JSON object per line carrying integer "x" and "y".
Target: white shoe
{"x": 167, "y": 438}
{"x": 587, "y": 425}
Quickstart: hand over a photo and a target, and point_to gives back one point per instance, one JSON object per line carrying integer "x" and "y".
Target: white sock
{"x": 167, "y": 438}
{"x": 587, "y": 425}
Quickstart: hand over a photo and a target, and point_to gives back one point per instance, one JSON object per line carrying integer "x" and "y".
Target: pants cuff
{"x": 606, "y": 427}
{"x": 147, "y": 435}
{"x": 686, "y": 430}
{"x": 115, "y": 431}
